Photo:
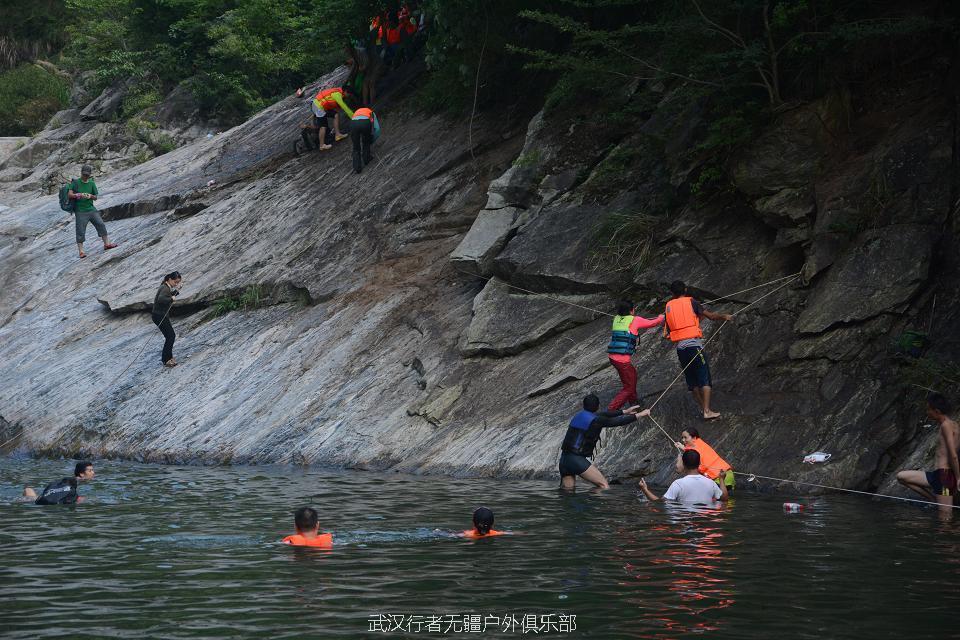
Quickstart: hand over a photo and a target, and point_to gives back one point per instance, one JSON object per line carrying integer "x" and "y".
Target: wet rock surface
{"x": 366, "y": 339}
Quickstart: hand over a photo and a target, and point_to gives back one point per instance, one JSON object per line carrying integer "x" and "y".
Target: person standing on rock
{"x": 364, "y": 131}
{"x": 327, "y": 104}
{"x": 943, "y": 483}
{"x": 581, "y": 438}
{"x": 83, "y": 192}
{"x": 162, "y": 303}
{"x": 682, "y": 326}
{"x": 623, "y": 344}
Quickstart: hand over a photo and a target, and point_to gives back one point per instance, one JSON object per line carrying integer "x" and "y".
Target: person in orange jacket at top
{"x": 623, "y": 344}
{"x": 682, "y": 326}
{"x": 328, "y": 103}
{"x": 482, "y": 525}
{"x": 711, "y": 464}
{"x": 308, "y": 531}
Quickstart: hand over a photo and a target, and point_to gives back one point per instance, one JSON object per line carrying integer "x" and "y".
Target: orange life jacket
{"x": 363, "y": 112}
{"x": 711, "y": 464}
{"x": 393, "y": 35}
{"x": 324, "y": 540}
{"x": 325, "y": 98}
{"x": 682, "y": 322}
{"x": 472, "y": 533}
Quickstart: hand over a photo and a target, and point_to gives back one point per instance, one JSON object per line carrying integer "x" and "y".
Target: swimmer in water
{"x": 482, "y": 525}
{"x": 64, "y": 491}
{"x": 308, "y": 533}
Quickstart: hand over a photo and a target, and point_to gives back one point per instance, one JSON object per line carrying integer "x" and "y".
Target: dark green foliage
{"x": 29, "y": 96}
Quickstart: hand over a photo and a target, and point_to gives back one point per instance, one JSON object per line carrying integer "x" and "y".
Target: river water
{"x": 192, "y": 552}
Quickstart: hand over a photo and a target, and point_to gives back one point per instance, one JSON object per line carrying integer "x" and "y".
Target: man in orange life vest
{"x": 682, "y": 326}
{"x": 623, "y": 344}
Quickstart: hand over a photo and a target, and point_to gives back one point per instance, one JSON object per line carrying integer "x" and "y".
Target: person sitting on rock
{"x": 581, "y": 438}
{"x": 623, "y": 344}
{"x": 941, "y": 484}
{"x": 364, "y": 131}
{"x": 64, "y": 491}
{"x": 682, "y": 326}
{"x": 307, "y": 524}
{"x": 711, "y": 464}
{"x": 692, "y": 487}
{"x": 83, "y": 192}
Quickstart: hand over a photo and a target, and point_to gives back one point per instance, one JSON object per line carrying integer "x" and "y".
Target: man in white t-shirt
{"x": 691, "y": 487}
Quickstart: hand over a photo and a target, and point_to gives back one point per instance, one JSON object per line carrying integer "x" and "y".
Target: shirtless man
{"x": 943, "y": 483}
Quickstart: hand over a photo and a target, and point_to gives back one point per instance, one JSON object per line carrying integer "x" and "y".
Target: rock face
{"x": 362, "y": 335}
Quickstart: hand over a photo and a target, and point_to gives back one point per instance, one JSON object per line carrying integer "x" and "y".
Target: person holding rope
{"x": 711, "y": 464}
{"x": 691, "y": 487}
{"x": 162, "y": 303}
{"x": 943, "y": 483}
{"x": 682, "y": 326}
{"x": 582, "y": 437}
{"x": 623, "y": 344}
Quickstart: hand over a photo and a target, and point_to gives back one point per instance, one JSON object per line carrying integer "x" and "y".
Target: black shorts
{"x": 572, "y": 464}
{"x": 698, "y": 373}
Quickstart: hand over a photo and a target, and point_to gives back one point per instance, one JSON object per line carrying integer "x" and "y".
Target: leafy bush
{"x": 29, "y": 96}
{"x": 251, "y": 298}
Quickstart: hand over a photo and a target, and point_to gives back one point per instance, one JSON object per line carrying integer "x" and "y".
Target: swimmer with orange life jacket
{"x": 482, "y": 525}
{"x": 308, "y": 533}
{"x": 682, "y": 326}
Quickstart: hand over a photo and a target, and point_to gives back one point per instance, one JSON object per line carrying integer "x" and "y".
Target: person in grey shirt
{"x": 691, "y": 487}
{"x": 162, "y": 302}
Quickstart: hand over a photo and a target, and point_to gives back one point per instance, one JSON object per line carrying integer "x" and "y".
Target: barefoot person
{"x": 623, "y": 343}
{"x": 83, "y": 192}
{"x": 941, "y": 484}
{"x": 162, "y": 302}
{"x": 682, "y": 326}
{"x": 582, "y": 437}
{"x": 64, "y": 491}
{"x": 691, "y": 487}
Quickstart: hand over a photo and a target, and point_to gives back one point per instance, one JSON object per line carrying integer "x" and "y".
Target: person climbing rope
{"x": 623, "y": 344}
{"x": 691, "y": 487}
{"x": 64, "y": 491}
{"x": 364, "y": 131}
{"x": 682, "y": 326}
{"x": 162, "y": 303}
{"x": 942, "y": 484}
{"x": 83, "y": 192}
{"x": 711, "y": 464}
{"x": 581, "y": 438}
{"x": 307, "y": 523}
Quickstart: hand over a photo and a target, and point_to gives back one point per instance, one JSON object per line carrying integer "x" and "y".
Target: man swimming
{"x": 943, "y": 483}
{"x": 307, "y": 523}
{"x": 64, "y": 491}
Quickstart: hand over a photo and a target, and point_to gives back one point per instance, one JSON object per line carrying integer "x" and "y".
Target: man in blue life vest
{"x": 623, "y": 344}
{"x": 63, "y": 491}
{"x": 582, "y": 437}
{"x": 682, "y": 326}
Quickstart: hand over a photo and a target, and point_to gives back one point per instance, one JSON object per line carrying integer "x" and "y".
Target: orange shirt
{"x": 323, "y": 540}
{"x": 711, "y": 464}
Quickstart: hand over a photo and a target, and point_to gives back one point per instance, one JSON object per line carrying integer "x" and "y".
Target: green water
{"x": 191, "y": 552}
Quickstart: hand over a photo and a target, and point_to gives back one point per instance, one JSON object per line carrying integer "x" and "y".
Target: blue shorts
{"x": 698, "y": 373}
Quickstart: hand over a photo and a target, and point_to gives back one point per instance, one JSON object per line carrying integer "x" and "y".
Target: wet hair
{"x": 173, "y": 275}
{"x": 693, "y": 432}
{"x": 305, "y": 519}
{"x": 591, "y": 402}
{"x": 938, "y": 402}
{"x": 678, "y": 288}
{"x": 483, "y": 520}
{"x": 81, "y": 468}
{"x": 624, "y": 307}
{"x": 691, "y": 459}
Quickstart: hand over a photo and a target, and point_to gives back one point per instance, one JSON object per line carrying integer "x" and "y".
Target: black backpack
{"x": 65, "y": 202}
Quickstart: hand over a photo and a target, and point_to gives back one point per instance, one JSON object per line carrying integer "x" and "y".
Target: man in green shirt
{"x": 83, "y": 192}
